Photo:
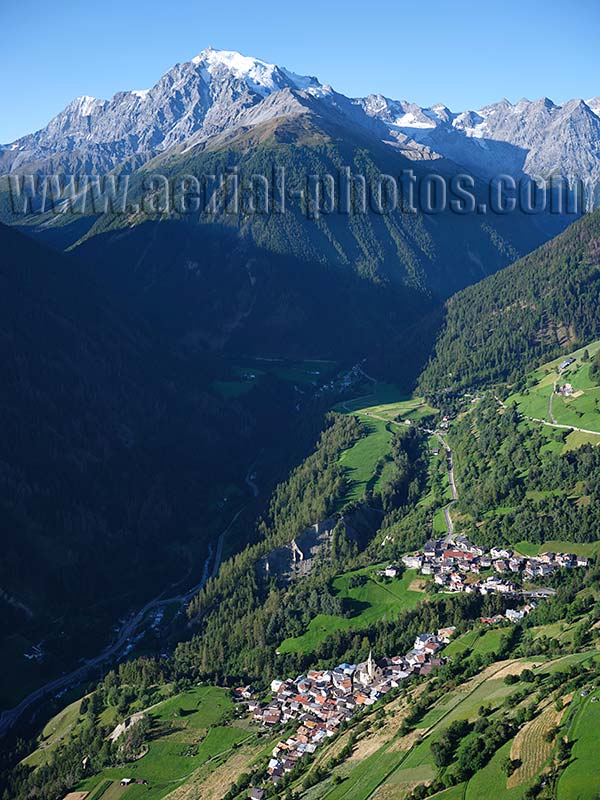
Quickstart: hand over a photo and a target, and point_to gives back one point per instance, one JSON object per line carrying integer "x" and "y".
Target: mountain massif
{"x": 153, "y": 310}
{"x": 220, "y": 91}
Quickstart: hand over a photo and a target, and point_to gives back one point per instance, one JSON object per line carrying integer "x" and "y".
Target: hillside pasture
{"x": 581, "y": 778}
{"x": 372, "y": 601}
{"x": 362, "y": 463}
{"x": 580, "y": 409}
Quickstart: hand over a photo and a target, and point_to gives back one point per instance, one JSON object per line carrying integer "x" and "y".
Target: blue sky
{"x": 462, "y": 53}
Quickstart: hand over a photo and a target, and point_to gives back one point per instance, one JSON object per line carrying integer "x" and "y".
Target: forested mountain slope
{"x": 438, "y": 252}
{"x": 542, "y": 305}
{"x": 107, "y": 437}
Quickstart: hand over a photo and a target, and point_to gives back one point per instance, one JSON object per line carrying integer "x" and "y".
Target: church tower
{"x": 371, "y": 665}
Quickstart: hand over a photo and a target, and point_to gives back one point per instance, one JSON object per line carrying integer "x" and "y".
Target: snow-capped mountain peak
{"x": 84, "y": 106}
{"x": 260, "y": 76}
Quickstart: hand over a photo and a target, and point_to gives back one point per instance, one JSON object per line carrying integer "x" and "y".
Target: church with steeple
{"x": 367, "y": 672}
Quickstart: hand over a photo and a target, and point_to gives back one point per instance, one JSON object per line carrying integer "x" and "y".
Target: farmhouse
{"x": 566, "y": 363}
{"x": 413, "y": 562}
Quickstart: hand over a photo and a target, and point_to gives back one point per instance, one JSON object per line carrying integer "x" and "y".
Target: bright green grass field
{"x": 366, "y": 776}
{"x": 360, "y": 461}
{"x": 488, "y": 642}
{"x": 581, "y": 778}
{"x": 414, "y": 409}
{"x": 439, "y": 521}
{"x": 578, "y": 412}
{"x": 167, "y": 763}
{"x": 554, "y": 630}
{"x": 491, "y": 780}
{"x": 369, "y": 603}
{"x": 202, "y": 706}
{"x": 54, "y": 733}
{"x": 452, "y": 793}
{"x": 534, "y": 404}
{"x": 558, "y": 546}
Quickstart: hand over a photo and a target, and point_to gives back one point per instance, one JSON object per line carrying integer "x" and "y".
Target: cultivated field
{"x": 532, "y": 748}
{"x": 186, "y": 735}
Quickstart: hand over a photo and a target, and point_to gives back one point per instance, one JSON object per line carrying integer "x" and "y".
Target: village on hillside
{"x": 322, "y": 700}
{"x": 454, "y": 561}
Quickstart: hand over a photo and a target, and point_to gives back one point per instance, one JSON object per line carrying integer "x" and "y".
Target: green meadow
{"x": 581, "y": 778}
{"x": 187, "y": 732}
{"x": 360, "y": 462}
{"x": 380, "y": 413}
{"x": 479, "y": 640}
{"x": 491, "y": 780}
{"x": 580, "y": 410}
{"x": 558, "y": 546}
{"x": 368, "y": 603}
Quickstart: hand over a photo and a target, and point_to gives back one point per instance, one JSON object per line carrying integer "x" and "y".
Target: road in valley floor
{"x": 130, "y": 627}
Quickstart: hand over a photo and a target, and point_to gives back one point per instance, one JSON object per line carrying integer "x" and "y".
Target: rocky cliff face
{"x": 536, "y": 138}
{"x": 205, "y": 96}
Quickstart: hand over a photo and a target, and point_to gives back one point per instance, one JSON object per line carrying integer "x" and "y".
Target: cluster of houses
{"x": 322, "y": 700}
{"x": 511, "y": 614}
{"x": 455, "y": 563}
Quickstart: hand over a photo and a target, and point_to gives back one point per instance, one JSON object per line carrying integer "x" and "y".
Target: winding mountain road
{"x": 451, "y": 481}
{"x": 129, "y": 628}
{"x": 550, "y": 424}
